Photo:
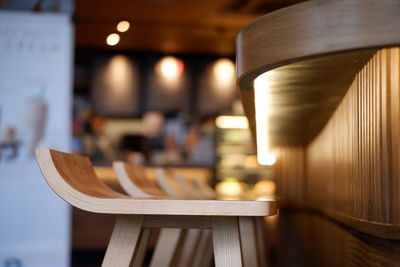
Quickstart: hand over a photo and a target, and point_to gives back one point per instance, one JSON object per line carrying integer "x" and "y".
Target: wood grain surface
{"x": 318, "y": 241}
{"x": 353, "y": 152}
{"x": 226, "y": 241}
{"x": 334, "y": 122}
{"x": 350, "y": 170}
{"x": 294, "y": 44}
{"x": 313, "y": 29}
{"x": 72, "y": 177}
{"x": 124, "y": 240}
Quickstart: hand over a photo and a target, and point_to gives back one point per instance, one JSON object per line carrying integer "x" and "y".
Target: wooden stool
{"x": 72, "y": 177}
{"x": 187, "y": 248}
{"x": 252, "y": 229}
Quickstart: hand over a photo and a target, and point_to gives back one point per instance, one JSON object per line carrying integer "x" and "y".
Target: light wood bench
{"x": 72, "y": 177}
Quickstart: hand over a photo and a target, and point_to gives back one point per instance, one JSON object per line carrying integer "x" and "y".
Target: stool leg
{"x": 261, "y": 239}
{"x": 142, "y": 248}
{"x": 190, "y": 247}
{"x": 226, "y": 241}
{"x": 248, "y": 241}
{"x": 204, "y": 255}
{"x": 167, "y": 247}
{"x": 124, "y": 241}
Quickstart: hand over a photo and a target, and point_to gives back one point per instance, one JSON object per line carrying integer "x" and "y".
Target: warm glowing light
{"x": 112, "y": 39}
{"x": 262, "y": 88}
{"x": 229, "y": 189}
{"x": 118, "y": 73}
{"x": 170, "y": 68}
{"x": 224, "y": 71}
{"x": 123, "y": 26}
{"x": 270, "y": 159}
{"x": 232, "y": 122}
{"x": 265, "y": 188}
{"x": 251, "y": 162}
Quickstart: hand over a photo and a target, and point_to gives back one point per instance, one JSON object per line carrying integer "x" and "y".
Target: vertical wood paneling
{"x": 290, "y": 170}
{"x": 394, "y": 80}
{"x": 320, "y": 242}
{"x": 353, "y": 165}
{"x": 385, "y": 140}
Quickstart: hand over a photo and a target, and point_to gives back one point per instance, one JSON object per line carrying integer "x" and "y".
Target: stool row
{"x": 194, "y": 225}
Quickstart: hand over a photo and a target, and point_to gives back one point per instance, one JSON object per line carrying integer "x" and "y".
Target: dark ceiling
{"x": 169, "y": 26}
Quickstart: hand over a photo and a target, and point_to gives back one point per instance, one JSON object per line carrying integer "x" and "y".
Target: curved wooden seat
{"x": 176, "y": 186}
{"x": 133, "y": 181}
{"x": 188, "y": 186}
{"x": 73, "y": 179}
{"x": 204, "y": 188}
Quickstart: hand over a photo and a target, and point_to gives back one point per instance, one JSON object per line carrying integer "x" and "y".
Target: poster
{"x": 35, "y": 103}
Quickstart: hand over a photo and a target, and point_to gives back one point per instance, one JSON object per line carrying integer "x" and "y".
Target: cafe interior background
{"x": 148, "y": 82}
{"x": 154, "y": 83}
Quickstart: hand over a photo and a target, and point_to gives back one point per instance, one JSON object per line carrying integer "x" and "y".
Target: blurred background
{"x": 147, "y": 81}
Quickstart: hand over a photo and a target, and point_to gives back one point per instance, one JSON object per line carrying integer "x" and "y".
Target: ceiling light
{"x": 112, "y": 39}
{"x": 123, "y": 26}
{"x": 224, "y": 71}
{"x": 170, "y": 67}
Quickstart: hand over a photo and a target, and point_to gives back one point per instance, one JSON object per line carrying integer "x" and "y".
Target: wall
{"x": 350, "y": 171}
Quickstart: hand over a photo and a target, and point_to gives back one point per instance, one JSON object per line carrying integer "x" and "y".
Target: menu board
{"x": 35, "y": 103}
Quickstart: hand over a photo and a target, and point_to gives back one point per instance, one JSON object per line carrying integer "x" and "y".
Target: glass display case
{"x": 236, "y": 154}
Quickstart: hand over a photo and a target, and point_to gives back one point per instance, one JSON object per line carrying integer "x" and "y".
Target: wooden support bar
{"x": 184, "y": 222}
{"x": 248, "y": 241}
{"x": 226, "y": 240}
{"x": 124, "y": 241}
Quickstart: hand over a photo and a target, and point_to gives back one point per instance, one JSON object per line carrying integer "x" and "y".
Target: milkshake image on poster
{"x": 35, "y": 122}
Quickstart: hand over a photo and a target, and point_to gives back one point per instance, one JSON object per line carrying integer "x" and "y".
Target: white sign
{"x": 35, "y": 103}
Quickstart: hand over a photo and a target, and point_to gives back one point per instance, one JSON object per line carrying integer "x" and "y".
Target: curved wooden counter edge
{"x": 379, "y": 230}
{"x": 73, "y": 179}
{"x": 314, "y": 29}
